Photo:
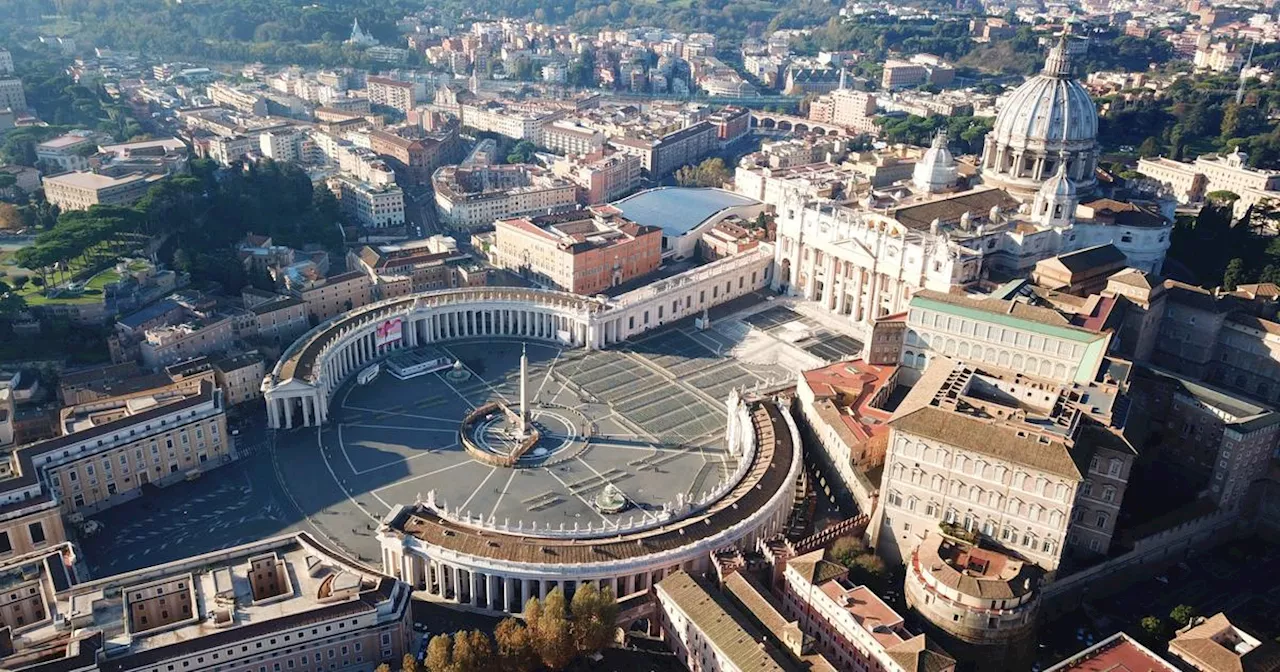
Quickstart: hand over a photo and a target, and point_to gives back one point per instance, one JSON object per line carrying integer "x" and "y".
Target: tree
{"x": 1149, "y": 147}
{"x": 710, "y": 173}
{"x": 845, "y": 549}
{"x": 440, "y": 654}
{"x": 1182, "y": 615}
{"x": 522, "y": 153}
{"x": 515, "y": 649}
{"x": 11, "y": 217}
{"x": 482, "y": 657}
{"x": 409, "y": 664}
{"x": 870, "y": 571}
{"x": 553, "y": 637}
{"x": 465, "y": 657}
{"x": 594, "y": 617}
{"x": 1153, "y": 627}
{"x": 382, "y": 668}
{"x": 1234, "y": 275}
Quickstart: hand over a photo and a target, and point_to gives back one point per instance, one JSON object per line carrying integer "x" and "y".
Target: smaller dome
{"x": 1059, "y": 187}
{"x": 936, "y": 170}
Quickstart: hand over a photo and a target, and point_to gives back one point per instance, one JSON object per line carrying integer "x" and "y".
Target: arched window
{"x": 1102, "y": 519}
{"x": 1108, "y": 494}
{"x": 1086, "y": 488}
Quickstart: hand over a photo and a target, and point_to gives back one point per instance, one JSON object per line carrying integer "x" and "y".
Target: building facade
{"x": 470, "y": 198}
{"x": 284, "y": 602}
{"x": 584, "y": 252}
{"x": 78, "y": 191}
{"x": 370, "y": 206}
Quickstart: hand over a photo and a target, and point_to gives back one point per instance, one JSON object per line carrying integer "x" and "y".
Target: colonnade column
{"x": 494, "y": 600}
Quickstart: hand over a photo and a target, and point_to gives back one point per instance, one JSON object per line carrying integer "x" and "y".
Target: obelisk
{"x": 524, "y": 392}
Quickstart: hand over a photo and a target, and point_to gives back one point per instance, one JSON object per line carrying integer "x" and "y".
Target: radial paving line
{"x": 341, "y": 484}
{"x": 503, "y": 493}
{"x": 476, "y": 491}
{"x": 421, "y": 476}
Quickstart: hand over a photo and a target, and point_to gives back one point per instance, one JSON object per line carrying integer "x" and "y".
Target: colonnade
{"x": 355, "y": 345}
{"x": 299, "y": 387}
{"x": 502, "y": 591}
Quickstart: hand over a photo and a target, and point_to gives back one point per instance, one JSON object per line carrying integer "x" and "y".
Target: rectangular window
{"x": 5, "y": 545}
{"x": 37, "y": 533}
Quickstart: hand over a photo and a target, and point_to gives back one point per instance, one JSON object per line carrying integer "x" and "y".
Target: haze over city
{"x": 667, "y": 335}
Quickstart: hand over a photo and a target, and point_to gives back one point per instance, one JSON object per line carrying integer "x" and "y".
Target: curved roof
{"x": 299, "y": 359}
{"x": 1051, "y": 108}
{"x": 679, "y": 210}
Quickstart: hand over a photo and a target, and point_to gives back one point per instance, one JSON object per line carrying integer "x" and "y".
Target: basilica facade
{"x": 1034, "y": 197}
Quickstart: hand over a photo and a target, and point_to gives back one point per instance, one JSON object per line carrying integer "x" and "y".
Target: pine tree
{"x": 1234, "y": 274}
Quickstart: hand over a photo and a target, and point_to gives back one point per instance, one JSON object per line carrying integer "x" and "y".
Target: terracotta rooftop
{"x": 1117, "y": 653}
{"x": 1217, "y": 645}
{"x": 843, "y": 394}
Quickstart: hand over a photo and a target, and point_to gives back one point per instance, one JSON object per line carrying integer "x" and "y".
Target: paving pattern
{"x": 654, "y": 427}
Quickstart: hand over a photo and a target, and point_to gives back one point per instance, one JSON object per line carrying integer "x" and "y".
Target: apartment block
{"x": 336, "y": 294}
{"x": 474, "y": 197}
{"x": 11, "y": 94}
{"x": 371, "y": 206}
{"x": 600, "y": 177}
{"x": 172, "y": 343}
{"x": 662, "y": 153}
{"x": 280, "y": 319}
{"x": 851, "y": 626}
{"x": 564, "y": 137}
{"x": 412, "y": 266}
{"x": 240, "y": 377}
{"x": 100, "y": 465}
{"x": 390, "y": 93}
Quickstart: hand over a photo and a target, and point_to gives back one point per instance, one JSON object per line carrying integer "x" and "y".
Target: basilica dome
{"x": 1047, "y": 120}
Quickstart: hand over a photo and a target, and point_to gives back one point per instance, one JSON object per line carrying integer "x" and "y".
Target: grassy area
{"x": 102, "y": 279}
{"x": 10, "y": 266}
